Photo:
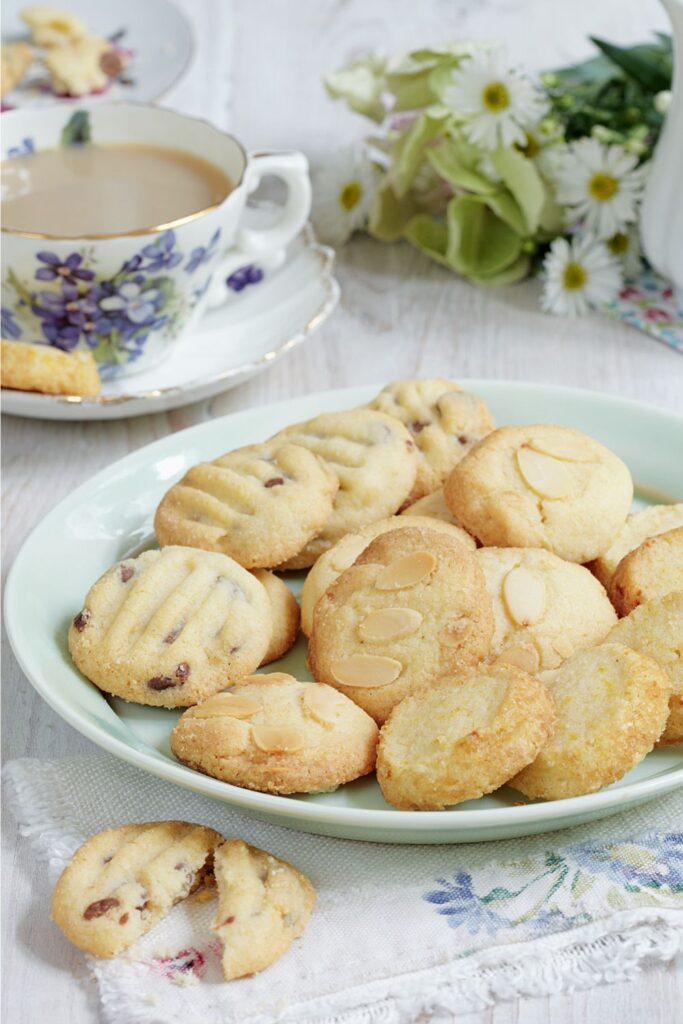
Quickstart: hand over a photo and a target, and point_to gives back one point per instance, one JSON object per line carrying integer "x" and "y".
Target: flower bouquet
{"x": 496, "y": 176}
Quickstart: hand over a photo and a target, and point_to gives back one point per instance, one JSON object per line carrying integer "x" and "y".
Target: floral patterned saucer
{"x": 271, "y": 311}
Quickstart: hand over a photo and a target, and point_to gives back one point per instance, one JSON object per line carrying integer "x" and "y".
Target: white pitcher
{"x": 662, "y": 209}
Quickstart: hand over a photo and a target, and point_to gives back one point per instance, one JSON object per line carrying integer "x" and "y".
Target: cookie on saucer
{"x": 48, "y": 370}
{"x": 121, "y": 882}
{"x": 259, "y": 504}
{"x": 412, "y": 608}
{"x": 542, "y": 486}
{"x": 171, "y": 627}
{"x": 275, "y": 734}
{"x": 612, "y": 705}
{"x": 462, "y": 738}
{"x": 544, "y": 609}
{"x": 445, "y": 423}
{"x": 264, "y": 904}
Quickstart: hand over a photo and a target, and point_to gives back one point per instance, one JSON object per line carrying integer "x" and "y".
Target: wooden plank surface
{"x": 258, "y": 70}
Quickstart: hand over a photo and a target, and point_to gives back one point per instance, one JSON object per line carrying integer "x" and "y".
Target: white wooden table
{"x": 258, "y": 70}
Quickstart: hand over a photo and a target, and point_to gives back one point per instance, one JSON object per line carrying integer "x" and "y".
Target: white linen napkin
{"x": 397, "y": 930}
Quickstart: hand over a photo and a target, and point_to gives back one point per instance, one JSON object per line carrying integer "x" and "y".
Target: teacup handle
{"x": 267, "y": 245}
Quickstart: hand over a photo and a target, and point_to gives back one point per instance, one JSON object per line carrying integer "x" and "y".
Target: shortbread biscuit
{"x": 275, "y": 734}
{"x": 171, "y": 627}
{"x": 612, "y": 704}
{"x": 412, "y": 608}
{"x": 258, "y": 504}
{"x": 542, "y": 487}
{"x": 264, "y": 904}
{"x": 463, "y": 737}
{"x": 647, "y": 522}
{"x": 445, "y": 422}
{"x": 285, "y": 614}
{"x": 434, "y": 507}
{"x": 121, "y": 882}
{"x": 79, "y": 68}
{"x": 545, "y": 609}
{"x": 344, "y": 553}
{"x": 375, "y": 460}
{"x": 15, "y": 60}
{"x": 42, "y": 368}
{"x": 655, "y": 629}
{"x": 653, "y": 569}
{"x": 52, "y": 26}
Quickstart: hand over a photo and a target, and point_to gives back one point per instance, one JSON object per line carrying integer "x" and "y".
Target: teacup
{"x": 128, "y": 297}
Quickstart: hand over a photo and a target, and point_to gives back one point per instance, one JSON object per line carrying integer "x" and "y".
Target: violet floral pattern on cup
{"x": 70, "y": 306}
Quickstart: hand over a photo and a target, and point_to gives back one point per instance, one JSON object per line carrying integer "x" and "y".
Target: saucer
{"x": 269, "y": 313}
{"x": 158, "y": 35}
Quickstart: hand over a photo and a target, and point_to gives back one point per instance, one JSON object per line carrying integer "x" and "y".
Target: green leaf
{"x": 524, "y": 181}
{"x": 479, "y": 243}
{"x": 76, "y": 131}
{"x": 507, "y": 208}
{"x": 430, "y": 236}
{"x": 446, "y": 161}
{"x": 410, "y": 148}
{"x": 510, "y": 275}
{"x": 638, "y": 66}
{"x": 361, "y": 84}
{"x": 21, "y": 289}
{"x": 412, "y": 93}
{"x": 390, "y": 214}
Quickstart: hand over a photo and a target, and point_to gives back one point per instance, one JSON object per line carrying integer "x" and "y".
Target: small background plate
{"x": 111, "y": 515}
{"x": 157, "y": 33}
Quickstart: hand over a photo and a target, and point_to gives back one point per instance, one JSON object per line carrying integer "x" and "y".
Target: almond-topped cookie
{"x": 375, "y": 460}
{"x": 433, "y": 506}
{"x": 412, "y": 608}
{"x": 275, "y": 734}
{"x": 259, "y": 504}
{"x": 545, "y": 609}
{"x": 264, "y": 904}
{"x": 121, "y": 882}
{"x": 171, "y": 627}
{"x": 445, "y": 423}
{"x": 463, "y": 737}
{"x": 542, "y": 486}
{"x": 344, "y": 553}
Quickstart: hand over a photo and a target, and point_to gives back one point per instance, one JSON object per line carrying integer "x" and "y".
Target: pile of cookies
{"x": 461, "y": 608}
{"x": 122, "y": 882}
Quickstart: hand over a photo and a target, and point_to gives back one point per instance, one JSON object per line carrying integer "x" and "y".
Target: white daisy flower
{"x": 625, "y": 245}
{"x": 343, "y": 191}
{"x": 498, "y": 101}
{"x": 600, "y": 184}
{"x": 579, "y": 274}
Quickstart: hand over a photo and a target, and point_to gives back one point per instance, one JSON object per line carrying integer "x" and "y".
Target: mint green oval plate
{"x": 111, "y": 515}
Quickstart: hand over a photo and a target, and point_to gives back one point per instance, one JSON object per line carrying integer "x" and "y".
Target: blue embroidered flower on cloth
{"x": 548, "y": 896}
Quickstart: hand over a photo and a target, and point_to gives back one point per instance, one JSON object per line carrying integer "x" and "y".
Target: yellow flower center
{"x": 350, "y": 195}
{"x": 495, "y": 97}
{"x": 530, "y": 149}
{"x": 574, "y": 277}
{"x": 603, "y": 186}
{"x": 618, "y": 244}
